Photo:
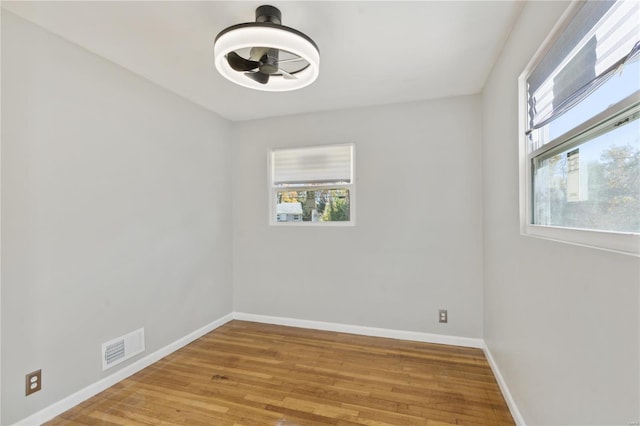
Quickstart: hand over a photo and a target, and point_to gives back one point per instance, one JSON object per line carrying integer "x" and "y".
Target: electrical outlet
{"x": 33, "y": 382}
{"x": 442, "y": 316}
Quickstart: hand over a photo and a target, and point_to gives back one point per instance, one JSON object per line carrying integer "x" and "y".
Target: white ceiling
{"x": 372, "y": 52}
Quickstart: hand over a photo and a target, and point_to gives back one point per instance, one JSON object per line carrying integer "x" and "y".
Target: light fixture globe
{"x": 286, "y": 58}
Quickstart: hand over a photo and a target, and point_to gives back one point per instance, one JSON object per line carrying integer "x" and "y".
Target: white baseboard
{"x": 415, "y": 336}
{"x": 511, "y": 403}
{"x": 72, "y": 400}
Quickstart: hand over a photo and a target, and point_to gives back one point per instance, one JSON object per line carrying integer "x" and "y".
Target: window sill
{"x": 618, "y": 242}
{"x": 313, "y": 224}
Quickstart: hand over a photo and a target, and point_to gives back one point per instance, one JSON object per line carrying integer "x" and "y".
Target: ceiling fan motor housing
{"x": 269, "y": 14}
{"x": 270, "y": 62}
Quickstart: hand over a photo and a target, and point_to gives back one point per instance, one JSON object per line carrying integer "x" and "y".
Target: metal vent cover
{"x": 114, "y": 352}
{"x": 122, "y": 348}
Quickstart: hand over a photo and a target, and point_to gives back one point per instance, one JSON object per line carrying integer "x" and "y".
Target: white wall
{"x": 416, "y": 246}
{"x": 116, "y": 214}
{"x": 561, "y": 321}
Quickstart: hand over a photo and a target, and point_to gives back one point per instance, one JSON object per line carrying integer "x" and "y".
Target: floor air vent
{"x": 122, "y": 348}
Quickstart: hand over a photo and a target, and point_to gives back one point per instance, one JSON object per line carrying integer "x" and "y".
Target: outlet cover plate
{"x": 33, "y": 382}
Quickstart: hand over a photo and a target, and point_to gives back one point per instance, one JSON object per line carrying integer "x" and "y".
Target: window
{"x": 312, "y": 185}
{"x": 580, "y": 130}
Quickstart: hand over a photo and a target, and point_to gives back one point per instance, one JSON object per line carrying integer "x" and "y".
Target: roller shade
{"x": 601, "y": 37}
{"x": 312, "y": 165}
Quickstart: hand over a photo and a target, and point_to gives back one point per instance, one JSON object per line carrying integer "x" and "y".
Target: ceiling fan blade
{"x": 258, "y": 76}
{"x": 239, "y": 63}
{"x": 291, "y": 60}
{"x": 286, "y": 75}
{"x": 258, "y": 52}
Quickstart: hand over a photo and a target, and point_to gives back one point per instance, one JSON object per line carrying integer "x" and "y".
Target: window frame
{"x": 618, "y": 242}
{"x": 274, "y": 189}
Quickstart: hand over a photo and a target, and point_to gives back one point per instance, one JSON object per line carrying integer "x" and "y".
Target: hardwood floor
{"x": 246, "y": 373}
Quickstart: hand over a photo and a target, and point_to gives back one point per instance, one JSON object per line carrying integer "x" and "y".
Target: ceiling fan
{"x": 265, "y": 54}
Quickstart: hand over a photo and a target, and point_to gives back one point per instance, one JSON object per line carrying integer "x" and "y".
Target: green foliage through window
{"x": 319, "y": 205}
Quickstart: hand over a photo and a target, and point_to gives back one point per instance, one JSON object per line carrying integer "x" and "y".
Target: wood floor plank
{"x": 246, "y": 373}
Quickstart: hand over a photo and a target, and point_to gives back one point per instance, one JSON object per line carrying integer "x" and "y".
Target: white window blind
{"x": 312, "y": 165}
{"x": 601, "y": 37}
